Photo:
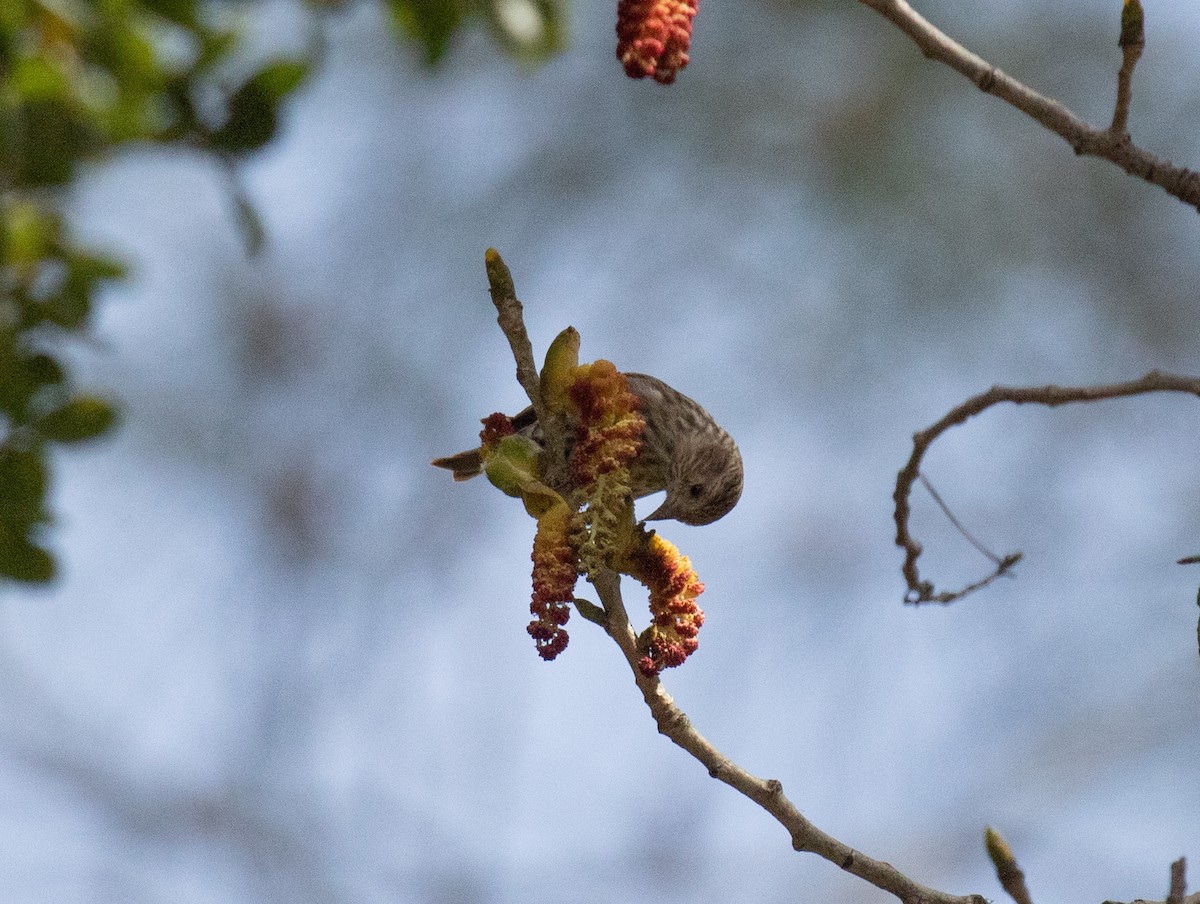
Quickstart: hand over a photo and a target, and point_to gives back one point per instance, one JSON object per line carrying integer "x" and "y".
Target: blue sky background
{"x": 287, "y": 658}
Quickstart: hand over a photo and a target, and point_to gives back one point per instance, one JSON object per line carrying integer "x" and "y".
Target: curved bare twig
{"x": 920, "y": 591}
{"x": 1112, "y": 144}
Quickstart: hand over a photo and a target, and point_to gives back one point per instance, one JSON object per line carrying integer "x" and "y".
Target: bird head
{"x": 705, "y": 482}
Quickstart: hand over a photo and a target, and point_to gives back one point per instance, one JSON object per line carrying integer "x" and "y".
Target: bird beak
{"x": 664, "y": 512}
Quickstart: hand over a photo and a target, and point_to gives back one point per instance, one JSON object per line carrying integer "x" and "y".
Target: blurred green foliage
{"x": 79, "y": 79}
{"x": 529, "y": 30}
{"x": 48, "y": 288}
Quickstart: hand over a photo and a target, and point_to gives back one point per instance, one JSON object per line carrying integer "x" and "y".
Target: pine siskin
{"x": 684, "y": 451}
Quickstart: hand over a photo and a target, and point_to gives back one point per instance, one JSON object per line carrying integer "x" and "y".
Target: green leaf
{"x": 45, "y": 139}
{"x": 432, "y": 23}
{"x": 512, "y": 466}
{"x": 89, "y": 268}
{"x": 36, "y": 78}
{"x": 559, "y": 370}
{"x": 83, "y": 418}
{"x": 593, "y": 613}
{"x": 21, "y": 376}
{"x": 1133, "y": 29}
{"x": 29, "y": 233}
{"x": 21, "y": 560}
{"x": 251, "y": 120}
{"x": 182, "y": 12}
{"x": 70, "y": 307}
{"x": 22, "y": 487}
{"x": 214, "y": 46}
{"x": 128, "y": 53}
{"x": 43, "y": 370}
{"x": 281, "y": 77}
{"x": 179, "y": 119}
{"x": 14, "y": 391}
{"x": 252, "y": 114}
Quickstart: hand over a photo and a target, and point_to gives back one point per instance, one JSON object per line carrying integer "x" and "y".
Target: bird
{"x": 684, "y": 451}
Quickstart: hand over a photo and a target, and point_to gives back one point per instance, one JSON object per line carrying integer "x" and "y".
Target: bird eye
{"x": 696, "y": 489}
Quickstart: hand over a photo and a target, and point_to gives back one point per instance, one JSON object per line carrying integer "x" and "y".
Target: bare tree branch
{"x": 674, "y": 723}
{"x": 512, "y": 323}
{"x": 767, "y": 793}
{"x": 920, "y": 591}
{"x": 1178, "y": 882}
{"x": 1110, "y": 144}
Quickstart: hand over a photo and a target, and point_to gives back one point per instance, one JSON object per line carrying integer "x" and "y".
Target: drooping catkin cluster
{"x": 608, "y": 432}
{"x": 555, "y": 570}
{"x": 674, "y": 586}
{"x": 653, "y": 37}
{"x": 585, "y": 522}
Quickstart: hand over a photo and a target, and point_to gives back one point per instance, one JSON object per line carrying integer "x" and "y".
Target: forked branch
{"x": 1111, "y": 143}
{"x": 920, "y": 591}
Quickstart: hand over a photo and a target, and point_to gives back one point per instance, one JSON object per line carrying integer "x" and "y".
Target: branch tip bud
{"x": 559, "y": 369}
{"x": 1133, "y": 31}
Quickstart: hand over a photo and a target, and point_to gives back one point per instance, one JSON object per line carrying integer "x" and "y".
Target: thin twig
{"x": 1178, "y": 882}
{"x": 920, "y": 591}
{"x": 970, "y": 538}
{"x": 1192, "y": 560}
{"x": 1131, "y": 42}
{"x": 249, "y": 222}
{"x": 510, "y": 316}
{"x": 926, "y": 594}
{"x": 512, "y": 323}
{"x": 1106, "y": 144}
{"x": 1008, "y": 871}
{"x": 767, "y": 793}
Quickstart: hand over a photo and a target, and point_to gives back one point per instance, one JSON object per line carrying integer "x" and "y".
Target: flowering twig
{"x": 661, "y": 567}
{"x": 1110, "y": 144}
{"x": 920, "y": 591}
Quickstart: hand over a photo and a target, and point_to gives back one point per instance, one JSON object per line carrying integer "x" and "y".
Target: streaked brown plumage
{"x": 684, "y": 451}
